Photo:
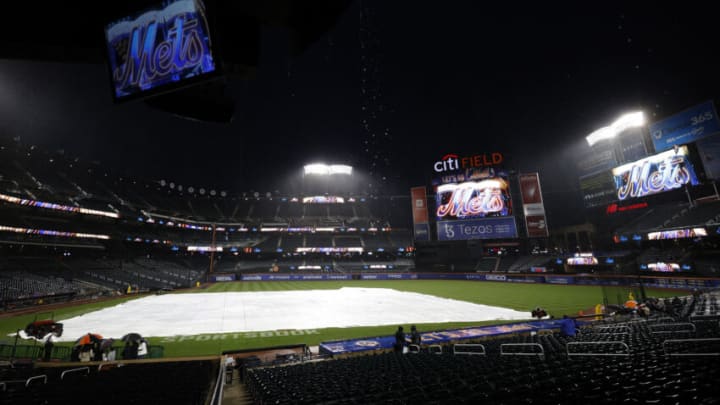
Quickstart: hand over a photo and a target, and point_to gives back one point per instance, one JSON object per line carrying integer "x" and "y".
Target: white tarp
{"x": 201, "y": 313}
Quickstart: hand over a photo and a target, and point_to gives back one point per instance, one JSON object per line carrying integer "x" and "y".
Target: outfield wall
{"x": 682, "y": 283}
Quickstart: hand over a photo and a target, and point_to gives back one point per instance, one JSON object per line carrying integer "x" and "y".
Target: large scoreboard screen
{"x": 472, "y": 198}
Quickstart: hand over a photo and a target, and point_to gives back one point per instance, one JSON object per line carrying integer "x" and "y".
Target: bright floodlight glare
{"x": 340, "y": 169}
{"x": 326, "y": 170}
{"x": 632, "y": 120}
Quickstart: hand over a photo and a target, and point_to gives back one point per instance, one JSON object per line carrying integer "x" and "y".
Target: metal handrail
{"x": 712, "y": 317}
{"x": 37, "y": 377}
{"x": 73, "y": 370}
{"x": 483, "y": 353}
{"x": 673, "y": 324}
{"x": 567, "y": 349}
{"x": 671, "y": 331}
{"x": 689, "y": 341}
{"x": 438, "y": 347}
{"x": 503, "y": 353}
{"x": 217, "y": 396}
{"x": 413, "y": 348}
{"x": 610, "y": 334}
{"x": 663, "y": 319}
{"x": 600, "y": 328}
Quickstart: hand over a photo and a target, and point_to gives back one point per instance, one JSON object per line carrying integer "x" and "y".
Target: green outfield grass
{"x": 558, "y": 300}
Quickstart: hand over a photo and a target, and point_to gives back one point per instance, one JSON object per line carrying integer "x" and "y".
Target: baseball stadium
{"x": 468, "y": 286}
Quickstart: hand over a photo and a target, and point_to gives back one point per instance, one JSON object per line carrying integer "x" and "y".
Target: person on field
{"x": 415, "y": 337}
{"x": 399, "y": 340}
{"x": 539, "y": 313}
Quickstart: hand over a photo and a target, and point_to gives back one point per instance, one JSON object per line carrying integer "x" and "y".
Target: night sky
{"x": 390, "y": 89}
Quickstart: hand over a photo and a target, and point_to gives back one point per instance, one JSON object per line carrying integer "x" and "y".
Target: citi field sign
{"x": 453, "y": 161}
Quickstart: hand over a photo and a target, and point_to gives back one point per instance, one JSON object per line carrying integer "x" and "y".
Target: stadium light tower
{"x": 631, "y": 120}
{"x": 325, "y": 170}
{"x": 325, "y": 178}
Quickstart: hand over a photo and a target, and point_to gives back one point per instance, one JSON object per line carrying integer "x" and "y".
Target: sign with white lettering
{"x": 162, "y": 47}
{"x": 482, "y": 228}
{"x": 474, "y": 199}
{"x": 688, "y": 126}
{"x": 665, "y": 171}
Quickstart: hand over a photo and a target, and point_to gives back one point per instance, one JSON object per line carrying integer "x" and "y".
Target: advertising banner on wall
{"x": 481, "y": 228}
{"x": 533, "y": 207}
{"x": 600, "y": 157}
{"x": 688, "y": 126}
{"x": 662, "y": 172}
{"x": 632, "y": 145}
{"x": 421, "y": 225}
{"x": 598, "y": 189}
{"x": 678, "y": 233}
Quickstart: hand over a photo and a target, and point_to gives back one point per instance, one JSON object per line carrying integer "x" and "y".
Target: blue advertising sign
{"x": 559, "y": 280}
{"x": 295, "y": 277}
{"x": 389, "y": 276}
{"x": 436, "y": 337}
{"x": 481, "y": 228}
{"x": 449, "y": 276}
{"x": 422, "y": 232}
{"x": 223, "y": 277}
{"x": 686, "y": 127}
{"x": 160, "y": 47}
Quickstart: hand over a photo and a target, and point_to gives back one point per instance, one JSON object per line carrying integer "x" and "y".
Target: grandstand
{"x": 622, "y": 359}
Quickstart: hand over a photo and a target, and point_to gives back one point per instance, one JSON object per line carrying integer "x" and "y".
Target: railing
{"x": 469, "y": 345}
{"x": 615, "y": 334}
{"x": 663, "y": 319}
{"x": 217, "y": 395}
{"x": 665, "y": 349}
{"x": 645, "y": 321}
{"x": 37, "y": 377}
{"x": 573, "y": 344}
{"x": 412, "y": 348}
{"x": 709, "y": 317}
{"x": 671, "y": 332}
{"x": 504, "y": 353}
{"x": 612, "y": 329}
{"x": 436, "y": 349}
{"x": 75, "y": 370}
{"x": 672, "y": 325}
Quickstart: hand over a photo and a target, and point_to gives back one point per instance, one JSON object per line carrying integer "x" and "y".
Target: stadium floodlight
{"x": 631, "y": 120}
{"x": 326, "y": 170}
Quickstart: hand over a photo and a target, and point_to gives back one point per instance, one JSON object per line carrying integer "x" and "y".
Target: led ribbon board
{"x": 677, "y": 234}
{"x": 582, "y": 259}
{"x": 665, "y": 171}
{"x": 321, "y": 199}
{"x": 663, "y": 267}
{"x": 159, "y": 48}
